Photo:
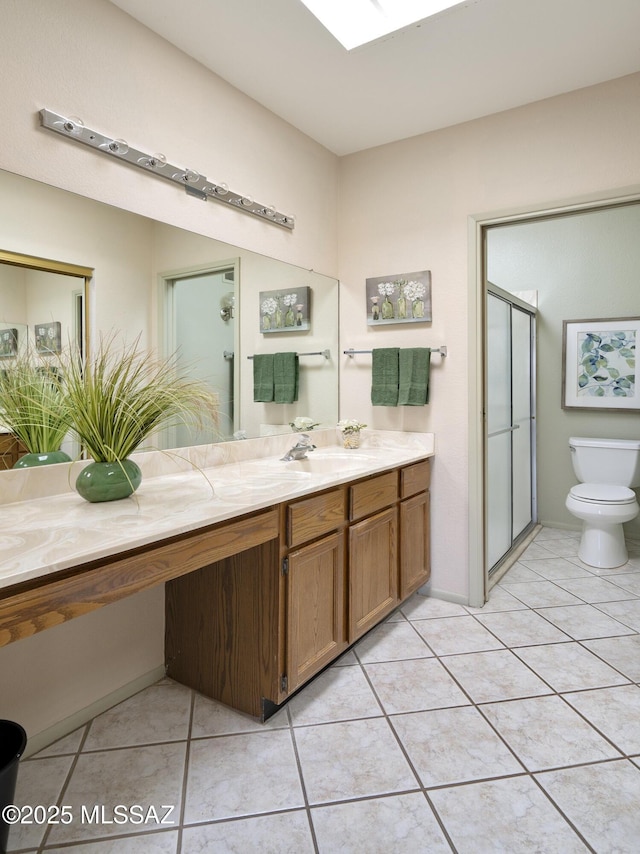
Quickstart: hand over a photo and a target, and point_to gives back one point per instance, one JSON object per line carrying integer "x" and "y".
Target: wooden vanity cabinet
{"x": 316, "y": 631}
{"x": 373, "y": 552}
{"x": 252, "y": 628}
{"x": 414, "y": 508}
{"x": 11, "y": 449}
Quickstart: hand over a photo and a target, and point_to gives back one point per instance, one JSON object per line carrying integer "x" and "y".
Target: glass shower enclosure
{"x": 510, "y": 423}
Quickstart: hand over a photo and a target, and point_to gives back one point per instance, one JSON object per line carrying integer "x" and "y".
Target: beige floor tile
{"x": 521, "y": 628}
{"x": 542, "y": 594}
{"x": 602, "y": 802}
{"x": 416, "y": 685}
{"x": 69, "y": 744}
{"x": 424, "y": 607}
{"x": 614, "y": 711}
{"x": 554, "y": 567}
{"x": 451, "y": 635}
{"x": 453, "y": 746}
{"x": 165, "y": 842}
{"x": 491, "y": 676}
{"x": 338, "y": 694}
{"x": 499, "y": 600}
{"x": 392, "y": 642}
{"x": 623, "y": 653}
{"x": 159, "y": 713}
{"x": 402, "y": 823}
{"x": 353, "y": 759}
{"x": 582, "y": 622}
{"x": 40, "y": 781}
{"x": 594, "y": 589}
{"x": 239, "y": 775}
{"x": 524, "y": 725}
{"x": 569, "y": 666}
{"x": 509, "y": 816}
{"x": 213, "y": 718}
{"x": 149, "y": 776}
{"x": 282, "y": 833}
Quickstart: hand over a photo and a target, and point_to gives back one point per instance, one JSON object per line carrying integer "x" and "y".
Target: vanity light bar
{"x": 194, "y": 183}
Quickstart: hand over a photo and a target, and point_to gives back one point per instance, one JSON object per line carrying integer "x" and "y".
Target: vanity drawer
{"x": 315, "y": 516}
{"x": 414, "y": 479}
{"x": 373, "y": 494}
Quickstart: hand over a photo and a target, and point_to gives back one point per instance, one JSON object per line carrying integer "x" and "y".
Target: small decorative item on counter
{"x": 118, "y": 398}
{"x": 350, "y": 429}
{"x": 301, "y": 424}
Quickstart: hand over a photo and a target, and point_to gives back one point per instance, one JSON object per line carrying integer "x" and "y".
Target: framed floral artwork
{"x": 599, "y": 364}
{"x": 49, "y": 337}
{"x": 8, "y": 343}
{"x": 285, "y": 310}
{"x": 399, "y": 298}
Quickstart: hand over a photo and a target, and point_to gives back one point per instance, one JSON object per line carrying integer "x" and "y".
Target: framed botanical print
{"x": 599, "y": 364}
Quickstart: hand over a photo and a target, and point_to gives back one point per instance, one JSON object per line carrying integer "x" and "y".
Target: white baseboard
{"x": 53, "y": 733}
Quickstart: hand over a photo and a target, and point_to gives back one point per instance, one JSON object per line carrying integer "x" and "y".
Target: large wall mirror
{"x": 180, "y": 293}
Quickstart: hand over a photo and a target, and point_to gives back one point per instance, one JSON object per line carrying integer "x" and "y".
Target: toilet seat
{"x": 602, "y": 493}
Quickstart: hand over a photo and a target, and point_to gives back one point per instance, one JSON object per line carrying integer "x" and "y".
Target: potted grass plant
{"x": 119, "y": 397}
{"x": 35, "y": 408}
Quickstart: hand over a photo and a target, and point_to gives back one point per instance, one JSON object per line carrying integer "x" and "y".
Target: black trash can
{"x": 13, "y": 740}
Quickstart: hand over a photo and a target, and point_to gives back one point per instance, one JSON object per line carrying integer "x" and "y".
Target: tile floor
{"x": 511, "y": 728}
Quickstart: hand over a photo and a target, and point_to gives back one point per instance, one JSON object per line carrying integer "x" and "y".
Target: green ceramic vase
{"x": 108, "y": 481}
{"x": 31, "y": 460}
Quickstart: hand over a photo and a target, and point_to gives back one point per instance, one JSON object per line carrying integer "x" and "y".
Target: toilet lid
{"x": 604, "y": 493}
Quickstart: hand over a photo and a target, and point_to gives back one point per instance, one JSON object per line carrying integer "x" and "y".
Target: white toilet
{"x": 606, "y": 469}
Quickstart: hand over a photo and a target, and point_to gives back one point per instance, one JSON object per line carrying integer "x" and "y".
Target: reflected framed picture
{"x": 285, "y": 310}
{"x": 8, "y": 343}
{"x": 399, "y": 298}
{"x": 599, "y": 364}
{"x": 49, "y": 337}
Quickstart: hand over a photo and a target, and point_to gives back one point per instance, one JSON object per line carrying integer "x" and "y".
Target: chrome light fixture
{"x": 194, "y": 182}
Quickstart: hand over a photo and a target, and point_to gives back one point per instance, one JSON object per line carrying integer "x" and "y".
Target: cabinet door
{"x": 316, "y": 607}
{"x": 373, "y": 571}
{"x": 415, "y": 566}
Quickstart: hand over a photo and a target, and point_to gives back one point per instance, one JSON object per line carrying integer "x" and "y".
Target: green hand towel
{"x": 385, "y": 376}
{"x": 285, "y": 377}
{"x": 263, "y": 378}
{"x": 414, "y": 376}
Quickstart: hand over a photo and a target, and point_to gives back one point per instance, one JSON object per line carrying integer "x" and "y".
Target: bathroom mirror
{"x": 180, "y": 292}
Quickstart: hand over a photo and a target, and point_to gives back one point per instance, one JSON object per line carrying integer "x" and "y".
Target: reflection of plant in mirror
{"x": 122, "y": 395}
{"x": 607, "y": 364}
{"x": 33, "y": 403}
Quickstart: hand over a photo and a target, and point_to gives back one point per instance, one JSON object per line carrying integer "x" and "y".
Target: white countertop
{"x": 60, "y": 530}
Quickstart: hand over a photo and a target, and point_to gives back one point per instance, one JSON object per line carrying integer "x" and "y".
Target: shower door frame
{"x": 515, "y": 539}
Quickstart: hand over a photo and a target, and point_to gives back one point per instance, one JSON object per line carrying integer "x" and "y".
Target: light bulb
{"x": 118, "y": 146}
{"x": 156, "y": 161}
{"x": 269, "y": 211}
{"x": 221, "y": 189}
{"x": 74, "y": 125}
{"x": 190, "y": 176}
{"x": 246, "y": 201}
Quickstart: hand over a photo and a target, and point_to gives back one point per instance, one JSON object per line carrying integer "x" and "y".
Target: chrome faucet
{"x": 299, "y": 450}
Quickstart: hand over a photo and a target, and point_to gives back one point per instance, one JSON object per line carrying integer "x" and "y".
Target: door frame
{"x": 166, "y": 317}
{"x": 476, "y": 226}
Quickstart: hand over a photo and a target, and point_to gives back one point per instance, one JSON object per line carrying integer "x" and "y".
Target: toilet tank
{"x": 606, "y": 460}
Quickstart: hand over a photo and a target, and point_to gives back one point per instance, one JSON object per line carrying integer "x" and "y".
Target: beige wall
{"x": 406, "y": 206}
{"x": 87, "y": 58}
{"x": 400, "y": 207}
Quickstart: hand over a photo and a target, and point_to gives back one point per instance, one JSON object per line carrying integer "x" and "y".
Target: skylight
{"x": 356, "y": 22}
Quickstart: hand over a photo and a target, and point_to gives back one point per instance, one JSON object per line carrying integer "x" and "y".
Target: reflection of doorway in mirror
{"x": 203, "y": 328}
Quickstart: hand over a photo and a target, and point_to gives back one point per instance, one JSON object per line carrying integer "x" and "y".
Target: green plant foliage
{"x": 33, "y": 403}
{"x": 607, "y": 364}
{"x": 122, "y": 395}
